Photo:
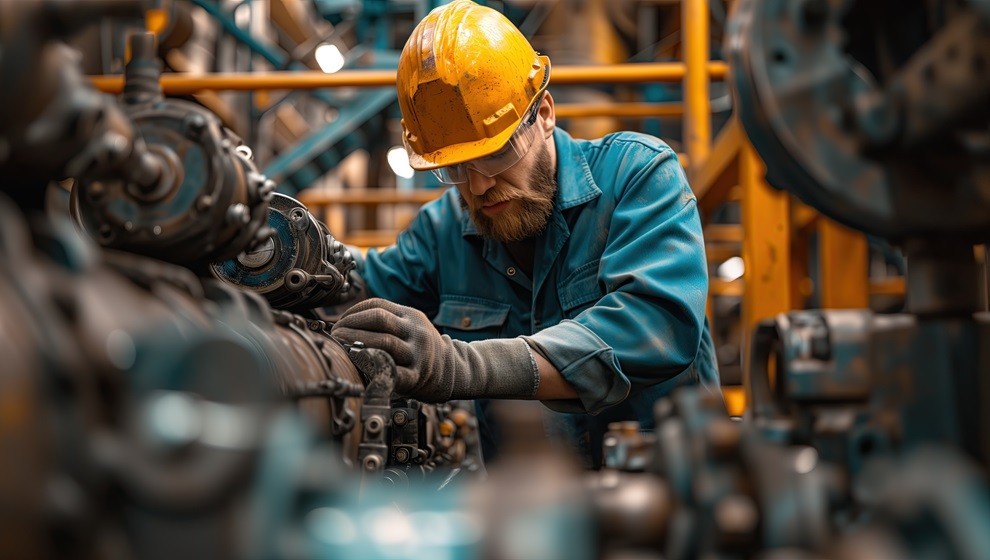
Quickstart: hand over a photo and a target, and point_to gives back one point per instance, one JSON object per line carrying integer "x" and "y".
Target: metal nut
{"x": 374, "y": 425}
{"x": 372, "y": 463}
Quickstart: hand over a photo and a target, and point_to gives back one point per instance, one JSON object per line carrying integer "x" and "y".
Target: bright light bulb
{"x": 398, "y": 160}
{"x": 731, "y": 269}
{"x": 329, "y": 58}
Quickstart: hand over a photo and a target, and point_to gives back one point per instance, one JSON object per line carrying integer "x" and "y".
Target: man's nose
{"x": 479, "y": 183}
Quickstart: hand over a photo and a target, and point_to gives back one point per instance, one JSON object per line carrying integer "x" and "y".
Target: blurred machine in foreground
{"x": 140, "y": 393}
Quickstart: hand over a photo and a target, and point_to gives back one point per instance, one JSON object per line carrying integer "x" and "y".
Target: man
{"x": 567, "y": 271}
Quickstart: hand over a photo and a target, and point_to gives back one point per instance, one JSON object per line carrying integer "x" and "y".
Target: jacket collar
{"x": 575, "y": 184}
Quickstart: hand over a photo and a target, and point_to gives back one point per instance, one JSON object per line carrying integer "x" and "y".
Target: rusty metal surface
{"x": 141, "y": 396}
{"x": 849, "y": 104}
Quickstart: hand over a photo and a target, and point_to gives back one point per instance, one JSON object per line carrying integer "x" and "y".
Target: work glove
{"x": 432, "y": 367}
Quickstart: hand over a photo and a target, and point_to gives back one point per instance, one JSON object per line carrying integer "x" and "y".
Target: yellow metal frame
{"x": 183, "y": 84}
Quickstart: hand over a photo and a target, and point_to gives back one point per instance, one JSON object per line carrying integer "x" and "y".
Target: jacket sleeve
{"x": 647, "y": 328}
{"x": 406, "y": 271}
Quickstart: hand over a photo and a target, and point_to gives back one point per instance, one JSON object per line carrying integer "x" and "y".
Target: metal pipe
{"x": 697, "y": 103}
{"x": 181, "y": 84}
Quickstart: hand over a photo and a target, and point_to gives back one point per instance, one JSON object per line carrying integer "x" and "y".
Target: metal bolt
{"x": 296, "y": 279}
{"x": 195, "y": 126}
{"x": 402, "y": 455}
{"x": 399, "y": 418}
{"x": 374, "y": 425}
{"x": 204, "y": 203}
{"x": 116, "y": 146}
{"x": 238, "y": 214}
{"x": 372, "y": 462}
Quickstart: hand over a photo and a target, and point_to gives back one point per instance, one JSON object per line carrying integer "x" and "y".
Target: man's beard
{"x": 533, "y": 205}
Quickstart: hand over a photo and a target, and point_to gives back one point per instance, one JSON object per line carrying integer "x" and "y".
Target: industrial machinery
{"x": 171, "y": 392}
{"x": 867, "y": 435}
{"x": 298, "y": 266}
{"x": 140, "y": 392}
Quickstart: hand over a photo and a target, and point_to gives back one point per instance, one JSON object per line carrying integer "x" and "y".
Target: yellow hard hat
{"x": 466, "y": 79}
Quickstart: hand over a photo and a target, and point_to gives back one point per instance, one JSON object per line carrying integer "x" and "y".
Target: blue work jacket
{"x": 617, "y": 296}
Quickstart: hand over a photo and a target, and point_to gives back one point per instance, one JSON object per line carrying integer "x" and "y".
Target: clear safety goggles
{"x": 514, "y": 150}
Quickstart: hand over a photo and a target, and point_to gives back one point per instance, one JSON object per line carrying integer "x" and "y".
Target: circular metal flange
{"x": 289, "y": 268}
{"x": 211, "y": 201}
{"x": 814, "y": 87}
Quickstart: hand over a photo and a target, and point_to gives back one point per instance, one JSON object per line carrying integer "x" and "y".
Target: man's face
{"x": 515, "y": 204}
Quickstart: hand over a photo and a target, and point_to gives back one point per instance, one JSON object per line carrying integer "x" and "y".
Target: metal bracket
{"x": 378, "y": 369}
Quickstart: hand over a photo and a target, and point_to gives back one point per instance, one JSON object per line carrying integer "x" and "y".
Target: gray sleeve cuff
{"x": 586, "y": 362}
{"x": 500, "y": 368}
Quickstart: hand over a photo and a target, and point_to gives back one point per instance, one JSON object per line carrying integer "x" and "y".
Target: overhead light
{"x": 329, "y": 58}
{"x": 398, "y": 160}
{"x": 730, "y": 270}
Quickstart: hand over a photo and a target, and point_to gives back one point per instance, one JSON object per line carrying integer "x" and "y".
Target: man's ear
{"x": 549, "y": 117}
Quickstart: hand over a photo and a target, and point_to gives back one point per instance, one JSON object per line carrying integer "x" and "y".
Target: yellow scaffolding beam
{"x": 183, "y": 84}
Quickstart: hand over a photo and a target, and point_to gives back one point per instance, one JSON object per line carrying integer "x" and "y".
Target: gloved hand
{"x": 434, "y": 368}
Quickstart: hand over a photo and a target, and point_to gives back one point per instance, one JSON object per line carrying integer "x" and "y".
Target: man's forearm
{"x": 553, "y": 386}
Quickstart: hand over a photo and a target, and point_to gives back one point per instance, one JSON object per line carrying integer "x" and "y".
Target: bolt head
{"x": 371, "y": 463}
{"x": 195, "y": 125}
{"x": 204, "y": 203}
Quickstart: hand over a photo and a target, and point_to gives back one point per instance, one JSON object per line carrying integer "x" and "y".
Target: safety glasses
{"x": 514, "y": 150}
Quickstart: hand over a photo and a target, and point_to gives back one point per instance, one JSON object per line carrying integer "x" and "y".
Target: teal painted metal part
{"x": 310, "y": 159}
{"x": 273, "y": 57}
{"x": 352, "y": 116}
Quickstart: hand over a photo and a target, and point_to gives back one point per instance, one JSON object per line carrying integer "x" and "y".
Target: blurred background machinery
{"x": 169, "y": 389}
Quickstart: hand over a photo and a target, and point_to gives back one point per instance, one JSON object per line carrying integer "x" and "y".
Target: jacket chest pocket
{"x": 469, "y": 318}
{"x": 579, "y": 289}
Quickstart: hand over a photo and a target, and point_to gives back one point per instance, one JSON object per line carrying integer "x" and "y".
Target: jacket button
{"x": 466, "y": 322}
{"x": 511, "y": 271}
